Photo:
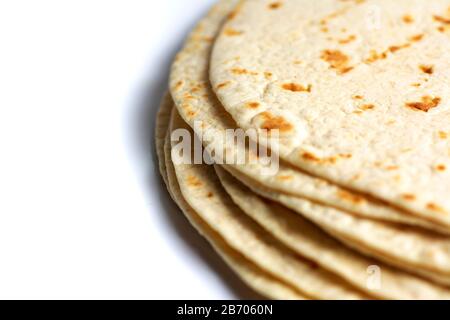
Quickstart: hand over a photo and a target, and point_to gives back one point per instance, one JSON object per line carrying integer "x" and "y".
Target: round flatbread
{"x": 358, "y": 91}
{"x": 197, "y": 103}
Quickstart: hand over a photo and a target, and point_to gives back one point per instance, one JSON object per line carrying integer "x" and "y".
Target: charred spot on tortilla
{"x": 425, "y": 105}
{"x": 295, "y": 87}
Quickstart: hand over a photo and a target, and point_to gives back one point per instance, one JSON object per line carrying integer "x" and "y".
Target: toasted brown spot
{"x": 357, "y": 97}
{"x": 441, "y": 167}
{"x": 408, "y": 19}
{"x": 294, "y": 87}
{"x": 337, "y": 60}
{"x": 441, "y": 19}
{"x": 375, "y": 56}
{"x": 232, "y": 32}
{"x": 392, "y": 168}
{"x": 443, "y": 135}
{"x": 346, "y": 70}
{"x": 223, "y": 85}
{"x": 210, "y": 195}
{"x": 253, "y": 105}
{"x": 275, "y": 5}
{"x": 331, "y": 160}
{"x": 394, "y": 49}
{"x": 348, "y": 39}
{"x": 272, "y": 122}
{"x": 268, "y": 75}
{"x": 417, "y": 37}
{"x": 284, "y": 178}
{"x": 233, "y": 14}
{"x": 409, "y": 197}
{"x": 415, "y": 84}
{"x": 324, "y": 29}
{"x": 428, "y": 69}
{"x": 188, "y": 96}
{"x": 347, "y": 196}
{"x": 191, "y": 114}
{"x": 178, "y": 85}
{"x": 367, "y": 107}
{"x": 427, "y": 104}
{"x": 194, "y": 181}
{"x": 337, "y": 13}
{"x": 310, "y": 157}
{"x": 441, "y": 29}
{"x": 240, "y": 71}
{"x": 435, "y": 207}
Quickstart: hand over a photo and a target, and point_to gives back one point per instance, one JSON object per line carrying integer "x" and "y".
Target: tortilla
{"x": 254, "y": 277}
{"x": 203, "y": 192}
{"x": 196, "y": 101}
{"x": 307, "y": 240}
{"x": 357, "y": 89}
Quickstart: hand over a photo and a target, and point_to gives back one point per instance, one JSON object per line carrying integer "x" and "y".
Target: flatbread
{"x": 202, "y": 190}
{"x": 254, "y": 277}
{"x": 358, "y": 90}
{"x": 196, "y": 102}
{"x": 307, "y": 240}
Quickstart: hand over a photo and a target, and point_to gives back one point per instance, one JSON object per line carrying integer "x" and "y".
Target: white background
{"x": 83, "y": 212}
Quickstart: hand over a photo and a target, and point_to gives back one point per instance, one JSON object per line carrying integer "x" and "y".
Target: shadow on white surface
{"x": 197, "y": 245}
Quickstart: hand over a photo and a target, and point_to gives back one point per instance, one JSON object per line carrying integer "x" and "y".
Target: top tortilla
{"x": 357, "y": 88}
{"x": 196, "y": 101}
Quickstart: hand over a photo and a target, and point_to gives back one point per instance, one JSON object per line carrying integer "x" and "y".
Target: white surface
{"x": 83, "y": 213}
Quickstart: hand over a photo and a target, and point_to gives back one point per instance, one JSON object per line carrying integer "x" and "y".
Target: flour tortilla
{"x": 196, "y": 102}
{"x": 203, "y": 192}
{"x": 307, "y": 240}
{"x": 254, "y": 277}
{"x": 359, "y": 90}
{"x": 422, "y": 253}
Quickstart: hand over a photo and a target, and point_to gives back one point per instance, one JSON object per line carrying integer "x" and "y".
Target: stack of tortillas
{"x": 357, "y": 94}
